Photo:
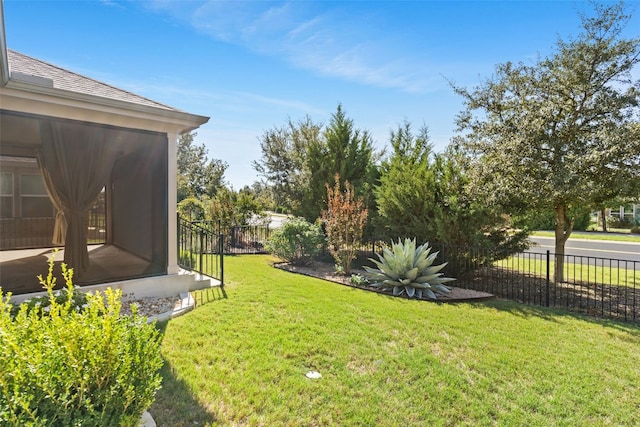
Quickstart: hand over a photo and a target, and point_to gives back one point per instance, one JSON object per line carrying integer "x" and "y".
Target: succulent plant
{"x": 408, "y": 270}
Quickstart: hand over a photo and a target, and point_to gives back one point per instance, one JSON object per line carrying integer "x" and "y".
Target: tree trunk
{"x": 564, "y": 227}
{"x": 603, "y": 215}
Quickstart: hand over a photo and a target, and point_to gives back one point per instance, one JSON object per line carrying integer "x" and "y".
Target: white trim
{"x": 4, "y": 60}
{"x": 172, "y": 197}
{"x": 144, "y": 287}
{"x": 29, "y": 98}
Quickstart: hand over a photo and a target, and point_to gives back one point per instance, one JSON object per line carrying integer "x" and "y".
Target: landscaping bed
{"x": 326, "y": 271}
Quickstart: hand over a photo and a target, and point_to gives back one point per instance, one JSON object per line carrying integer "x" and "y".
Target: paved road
{"x": 590, "y": 248}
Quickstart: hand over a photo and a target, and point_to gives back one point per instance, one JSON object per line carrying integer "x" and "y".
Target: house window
{"x": 34, "y": 200}
{"x": 6, "y": 195}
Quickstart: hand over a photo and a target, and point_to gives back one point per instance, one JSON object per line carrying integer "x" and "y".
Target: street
{"x": 590, "y": 248}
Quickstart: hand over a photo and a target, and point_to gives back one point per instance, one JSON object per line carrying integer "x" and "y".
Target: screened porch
{"x": 97, "y": 192}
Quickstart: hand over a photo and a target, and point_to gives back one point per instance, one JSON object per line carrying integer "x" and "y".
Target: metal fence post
{"x": 201, "y": 251}
{"x": 179, "y": 236}
{"x": 221, "y": 255}
{"x": 548, "y": 278}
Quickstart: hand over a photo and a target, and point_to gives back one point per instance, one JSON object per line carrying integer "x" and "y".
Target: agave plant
{"x": 409, "y": 270}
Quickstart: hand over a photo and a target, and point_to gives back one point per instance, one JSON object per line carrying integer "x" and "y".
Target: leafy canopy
{"x": 554, "y": 134}
{"x": 197, "y": 175}
{"x": 299, "y": 159}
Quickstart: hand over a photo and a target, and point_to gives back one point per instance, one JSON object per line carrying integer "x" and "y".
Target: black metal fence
{"x": 245, "y": 239}
{"x": 602, "y": 287}
{"x": 201, "y": 249}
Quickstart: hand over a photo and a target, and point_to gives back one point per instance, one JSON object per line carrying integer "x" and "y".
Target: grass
{"x": 624, "y": 274}
{"x": 589, "y": 235}
{"x": 241, "y": 360}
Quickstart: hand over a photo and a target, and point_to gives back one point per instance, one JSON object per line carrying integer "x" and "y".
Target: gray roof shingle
{"x": 70, "y": 81}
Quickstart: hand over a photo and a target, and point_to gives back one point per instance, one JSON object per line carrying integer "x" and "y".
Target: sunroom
{"x": 86, "y": 168}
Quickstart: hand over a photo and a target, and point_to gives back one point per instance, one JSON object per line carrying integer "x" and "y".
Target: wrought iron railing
{"x": 240, "y": 239}
{"x": 201, "y": 249}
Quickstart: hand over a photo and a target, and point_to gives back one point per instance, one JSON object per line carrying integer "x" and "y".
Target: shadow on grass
{"x": 555, "y": 314}
{"x": 206, "y": 295}
{"x": 601, "y": 303}
{"x": 175, "y": 404}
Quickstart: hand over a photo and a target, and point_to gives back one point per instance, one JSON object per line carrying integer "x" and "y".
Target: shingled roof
{"x": 23, "y": 67}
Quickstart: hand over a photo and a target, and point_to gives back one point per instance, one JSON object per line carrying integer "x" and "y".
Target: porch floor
{"x": 107, "y": 263}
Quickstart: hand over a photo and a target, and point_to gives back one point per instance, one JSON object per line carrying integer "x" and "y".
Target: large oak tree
{"x": 551, "y": 134}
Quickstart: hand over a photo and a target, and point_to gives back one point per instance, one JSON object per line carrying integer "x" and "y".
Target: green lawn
{"x": 241, "y": 360}
{"x": 590, "y": 235}
{"x": 616, "y": 274}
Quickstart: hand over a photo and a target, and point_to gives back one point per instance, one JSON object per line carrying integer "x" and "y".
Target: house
{"x": 69, "y": 145}
{"x": 623, "y": 215}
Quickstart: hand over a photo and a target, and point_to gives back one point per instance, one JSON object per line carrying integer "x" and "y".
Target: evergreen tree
{"x": 406, "y": 195}
{"x": 426, "y": 196}
{"x": 343, "y": 150}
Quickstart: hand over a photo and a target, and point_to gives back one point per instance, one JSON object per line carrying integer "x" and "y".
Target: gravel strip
{"x": 148, "y": 307}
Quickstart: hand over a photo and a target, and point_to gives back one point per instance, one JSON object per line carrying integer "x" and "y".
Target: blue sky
{"x": 252, "y": 65}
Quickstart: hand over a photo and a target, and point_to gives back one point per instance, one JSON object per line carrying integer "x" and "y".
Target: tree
{"x": 615, "y": 190}
{"x": 406, "y": 195}
{"x": 264, "y": 195}
{"x": 197, "y": 176}
{"x": 232, "y": 208}
{"x": 192, "y": 209}
{"x": 284, "y": 160}
{"x": 546, "y": 135}
{"x": 343, "y": 150}
{"x": 427, "y": 196}
{"x": 344, "y": 220}
{"x": 299, "y": 159}
{"x": 247, "y": 208}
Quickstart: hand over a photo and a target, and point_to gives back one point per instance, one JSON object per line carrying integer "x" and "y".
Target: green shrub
{"x": 635, "y": 229}
{"x": 358, "y": 280}
{"x": 297, "y": 241}
{"x": 65, "y": 364}
{"x": 192, "y": 209}
{"x": 546, "y": 219}
{"x": 614, "y": 221}
{"x": 408, "y": 270}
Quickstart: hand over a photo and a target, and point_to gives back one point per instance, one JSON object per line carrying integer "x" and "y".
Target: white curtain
{"x": 60, "y": 224}
{"x": 76, "y": 162}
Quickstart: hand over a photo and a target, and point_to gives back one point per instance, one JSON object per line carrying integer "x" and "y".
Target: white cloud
{"x": 111, "y": 3}
{"x": 203, "y": 101}
{"x": 327, "y": 39}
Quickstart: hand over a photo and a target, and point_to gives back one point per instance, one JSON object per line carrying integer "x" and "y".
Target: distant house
{"x": 70, "y": 145}
{"x": 625, "y": 214}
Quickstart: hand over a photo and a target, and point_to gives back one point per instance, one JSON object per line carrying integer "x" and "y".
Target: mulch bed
{"x": 326, "y": 271}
